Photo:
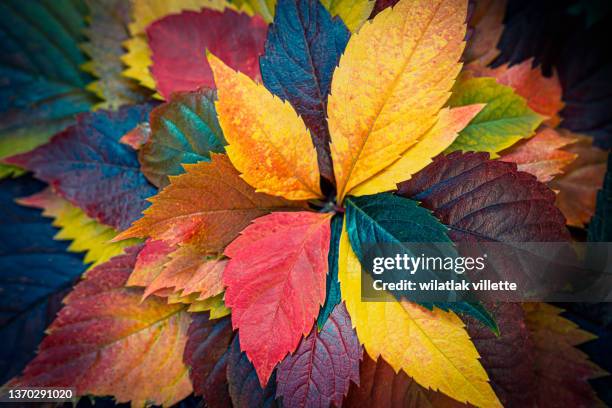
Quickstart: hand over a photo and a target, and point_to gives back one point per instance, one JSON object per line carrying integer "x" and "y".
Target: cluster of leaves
{"x": 291, "y": 133}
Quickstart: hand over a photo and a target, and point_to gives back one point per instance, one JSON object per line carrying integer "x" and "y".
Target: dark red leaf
{"x": 486, "y": 200}
{"x": 206, "y": 353}
{"x": 322, "y": 367}
{"x": 381, "y": 387}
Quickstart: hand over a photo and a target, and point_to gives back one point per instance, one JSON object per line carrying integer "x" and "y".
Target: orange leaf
{"x": 578, "y": 185}
{"x": 276, "y": 284}
{"x": 268, "y": 142}
{"x": 189, "y": 271}
{"x": 541, "y": 155}
{"x": 543, "y": 94}
{"x": 208, "y": 206}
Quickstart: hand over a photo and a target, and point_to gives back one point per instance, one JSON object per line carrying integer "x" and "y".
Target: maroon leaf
{"x": 320, "y": 370}
{"x": 485, "y": 200}
{"x": 381, "y": 387}
{"x": 509, "y": 357}
{"x": 91, "y": 168}
{"x": 179, "y": 43}
{"x": 206, "y": 353}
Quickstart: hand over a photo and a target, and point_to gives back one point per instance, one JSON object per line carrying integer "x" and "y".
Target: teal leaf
{"x": 332, "y": 285}
{"x": 390, "y": 219}
{"x": 42, "y": 86}
{"x": 183, "y": 130}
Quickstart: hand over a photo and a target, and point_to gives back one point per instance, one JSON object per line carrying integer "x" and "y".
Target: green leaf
{"x": 387, "y": 218}
{"x": 183, "y": 130}
{"x": 332, "y": 285}
{"x": 505, "y": 119}
{"x": 42, "y": 86}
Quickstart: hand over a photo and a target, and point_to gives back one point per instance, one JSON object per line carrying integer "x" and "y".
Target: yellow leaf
{"x": 215, "y": 304}
{"x": 353, "y": 12}
{"x": 144, "y": 12}
{"x": 442, "y": 135}
{"x": 432, "y": 347}
{"x": 268, "y": 142}
{"x": 393, "y": 79}
{"x": 87, "y": 235}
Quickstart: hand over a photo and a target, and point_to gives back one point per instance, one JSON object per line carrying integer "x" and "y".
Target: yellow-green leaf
{"x": 87, "y": 235}
{"x": 505, "y": 120}
{"x": 432, "y": 347}
{"x": 392, "y": 81}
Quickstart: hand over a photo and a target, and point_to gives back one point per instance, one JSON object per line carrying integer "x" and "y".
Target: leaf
{"x": 42, "y": 85}
{"x": 600, "y": 227}
{"x": 432, "y": 347}
{"x": 505, "y": 120}
{"x": 486, "y": 27}
{"x": 386, "y": 218}
{"x": 184, "y": 130}
{"x": 541, "y": 155}
{"x": 352, "y": 12}
{"x": 145, "y": 12}
{"x": 302, "y": 50}
{"x": 88, "y": 166}
{"x": 137, "y": 137}
{"x": 36, "y": 272}
{"x": 435, "y": 141}
{"x": 244, "y": 387}
{"x": 268, "y": 142}
{"x": 509, "y": 356}
{"x": 87, "y": 235}
{"x": 580, "y": 181}
{"x": 386, "y": 95}
{"x": 321, "y": 369}
{"x": 380, "y": 386}
{"x": 206, "y": 353}
{"x": 214, "y": 305}
{"x": 562, "y": 370}
{"x": 179, "y": 43}
{"x": 275, "y": 282}
{"x": 188, "y": 271}
{"x": 486, "y": 200}
{"x": 207, "y": 206}
{"x": 332, "y": 286}
{"x": 106, "y": 33}
{"x": 105, "y": 341}
{"x": 543, "y": 94}
{"x": 149, "y": 262}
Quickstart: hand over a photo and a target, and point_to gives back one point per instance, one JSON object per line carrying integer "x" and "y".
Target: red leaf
{"x": 179, "y": 43}
{"x": 276, "y": 283}
{"x": 320, "y": 370}
{"x": 381, "y": 387}
{"x": 206, "y": 354}
{"x": 105, "y": 341}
